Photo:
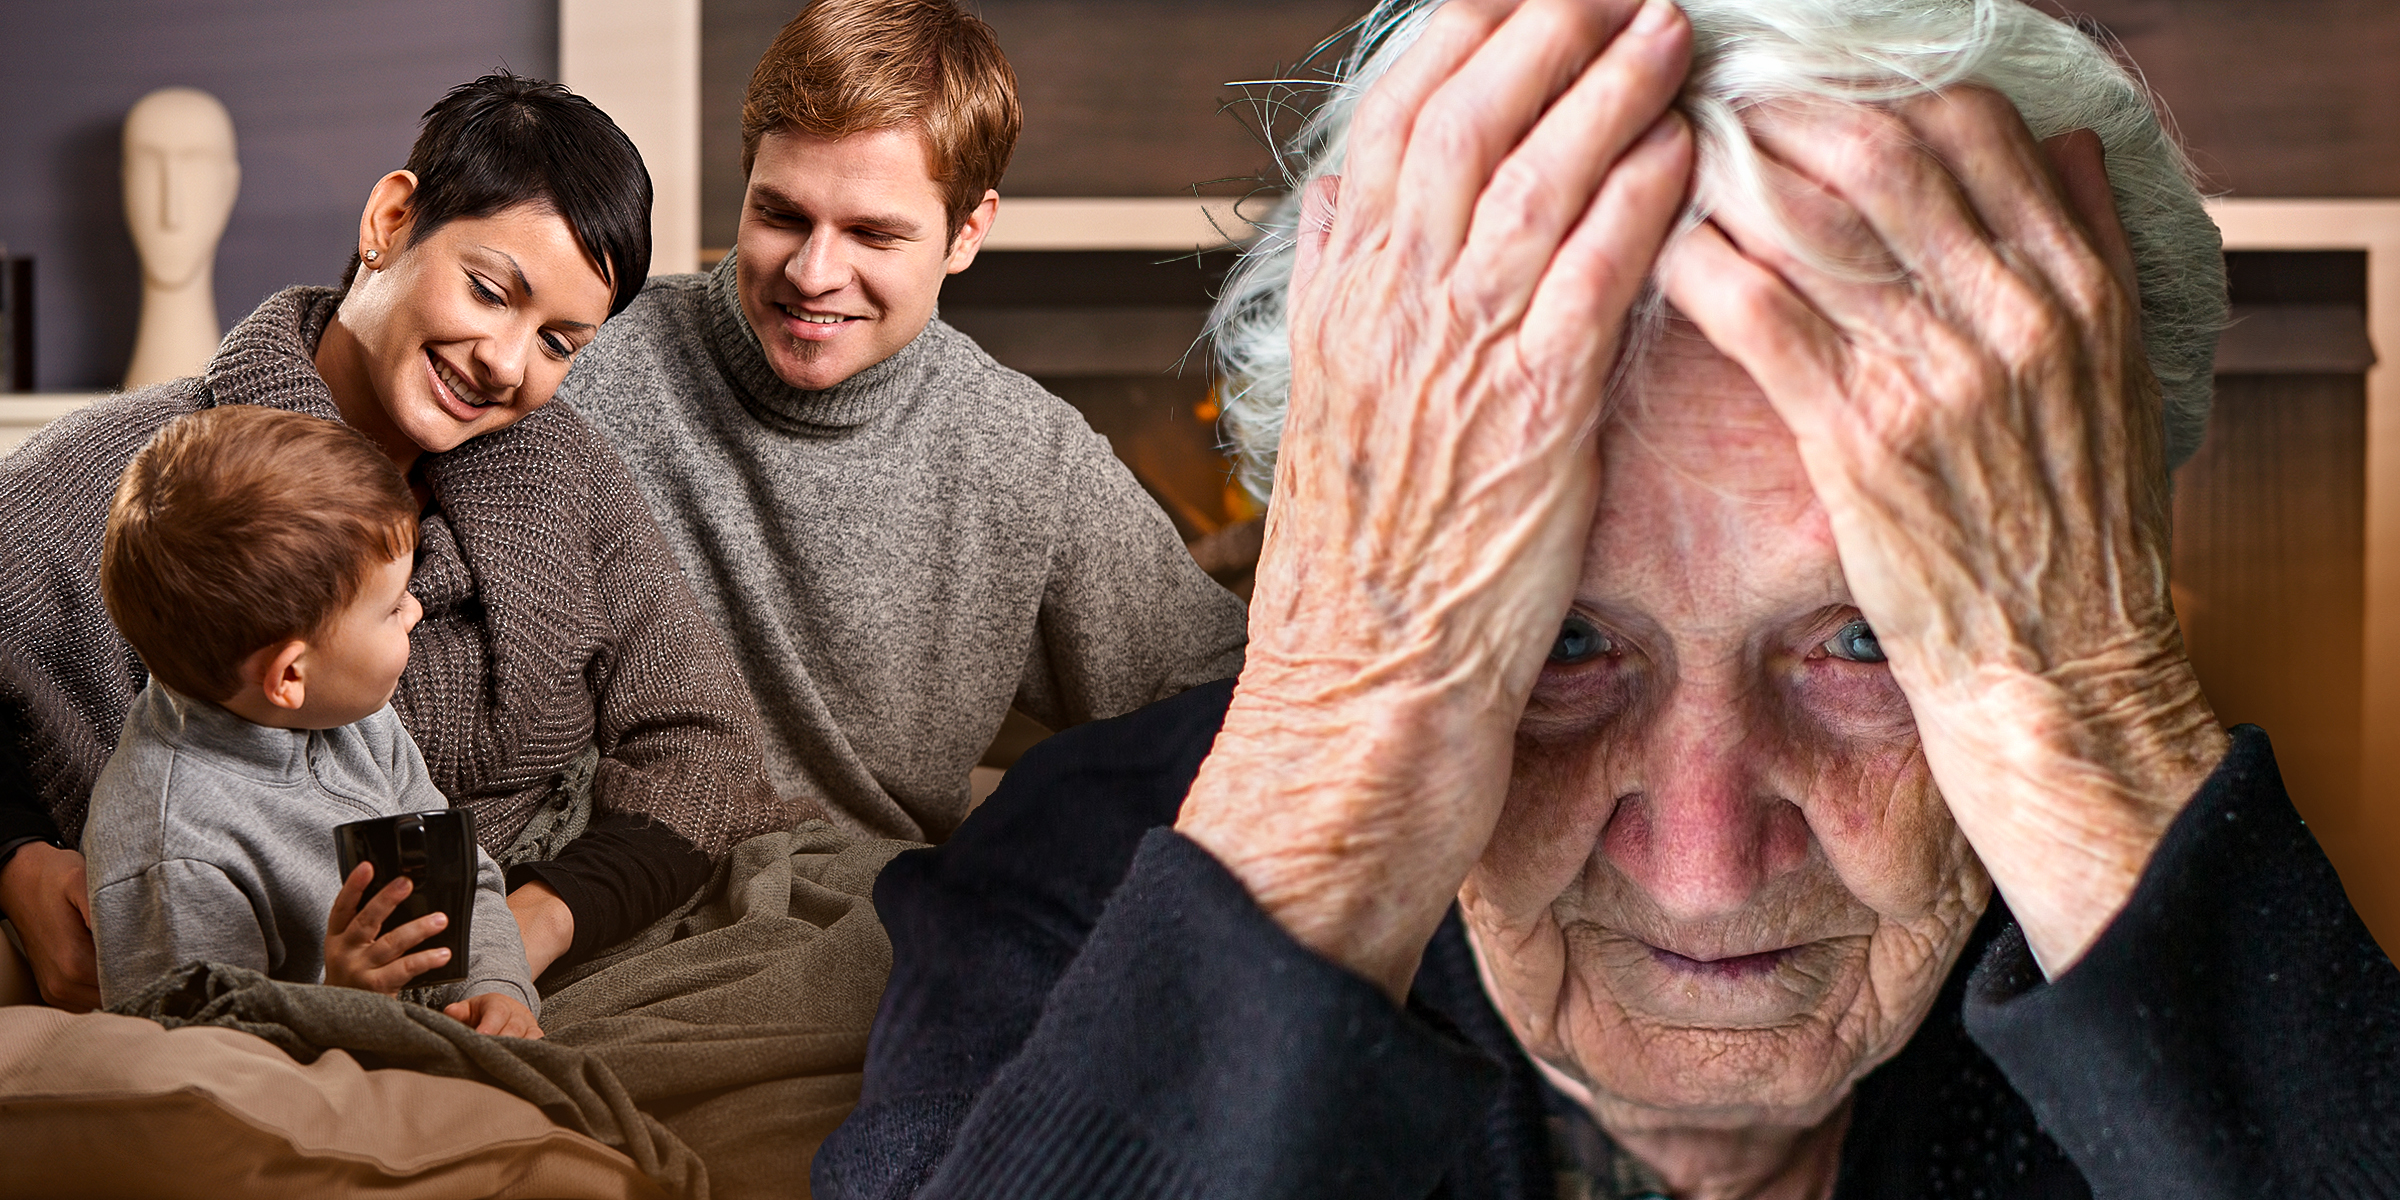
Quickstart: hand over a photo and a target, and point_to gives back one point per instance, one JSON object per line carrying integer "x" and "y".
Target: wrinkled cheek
{"x": 1559, "y": 799}
{"x": 1523, "y": 968}
{"x": 1560, "y": 796}
{"x": 1888, "y": 835}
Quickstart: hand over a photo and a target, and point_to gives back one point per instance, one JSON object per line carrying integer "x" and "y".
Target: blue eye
{"x": 1855, "y": 642}
{"x": 1579, "y": 641}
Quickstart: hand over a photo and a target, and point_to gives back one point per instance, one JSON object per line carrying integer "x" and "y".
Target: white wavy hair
{"x": 1748, "y": 52}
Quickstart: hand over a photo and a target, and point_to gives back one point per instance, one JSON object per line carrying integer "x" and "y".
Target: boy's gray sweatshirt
{"x": 211, "y": 839}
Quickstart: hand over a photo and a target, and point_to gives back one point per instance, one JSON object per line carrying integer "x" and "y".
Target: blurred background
{"x": 2288, "y": 535}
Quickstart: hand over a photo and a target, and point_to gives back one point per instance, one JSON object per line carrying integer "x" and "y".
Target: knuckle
{"x": 1446, "y": 131}
{"x": 1872, "y": 145}
{"x": 2090, "y": 290}
{"x": 1977, "y": 100}
{"x": 1518, "y": 206}
{"x": 1751, "y": 300}
{"x": 1962, "y": 375}
{"x": 2024, "y": 324}
{"x": 1377, "y": 121}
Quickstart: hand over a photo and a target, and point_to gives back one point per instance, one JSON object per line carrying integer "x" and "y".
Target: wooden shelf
{"x": 1128, "y": 223}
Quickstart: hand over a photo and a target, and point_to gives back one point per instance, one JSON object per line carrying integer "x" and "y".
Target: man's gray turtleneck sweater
{"x": 900, "y": 558}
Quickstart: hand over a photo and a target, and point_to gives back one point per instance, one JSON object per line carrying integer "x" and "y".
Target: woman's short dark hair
{"x": 505, "y": 140}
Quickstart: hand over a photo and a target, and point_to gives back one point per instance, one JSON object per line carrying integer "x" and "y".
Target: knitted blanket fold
{"x": 716, "y": 1050}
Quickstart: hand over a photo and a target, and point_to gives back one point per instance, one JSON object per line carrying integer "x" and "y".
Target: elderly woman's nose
{"x": 1703, "y": 833}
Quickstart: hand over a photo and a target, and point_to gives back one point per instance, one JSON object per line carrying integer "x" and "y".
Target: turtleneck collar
{"x": 260, "y": 752}
{"x": 269, "y": 359}
{"x": 845, "y": 405}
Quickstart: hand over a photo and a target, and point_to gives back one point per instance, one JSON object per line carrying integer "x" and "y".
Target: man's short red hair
{"x": 854, "y": 66}
{"x": 240, "y": 527}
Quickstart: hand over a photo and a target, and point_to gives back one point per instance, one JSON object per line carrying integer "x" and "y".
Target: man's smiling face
{"x": 842, "y": 249}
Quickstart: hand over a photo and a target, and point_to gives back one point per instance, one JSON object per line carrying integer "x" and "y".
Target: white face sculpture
{"x": 180, "y": 181}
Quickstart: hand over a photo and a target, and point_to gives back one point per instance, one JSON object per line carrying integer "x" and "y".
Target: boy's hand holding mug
{"x": 356, "y": 958}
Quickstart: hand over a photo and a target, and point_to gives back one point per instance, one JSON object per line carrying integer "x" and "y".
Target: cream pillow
{"x": 104, "y": 1105}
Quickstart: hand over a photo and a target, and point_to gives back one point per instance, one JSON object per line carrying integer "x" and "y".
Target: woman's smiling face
{"x": 470, "y": 328}
{"x": 1724, "y": 886}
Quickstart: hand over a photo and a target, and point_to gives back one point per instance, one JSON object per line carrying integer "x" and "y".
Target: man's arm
{"x": 1127, "y": 616}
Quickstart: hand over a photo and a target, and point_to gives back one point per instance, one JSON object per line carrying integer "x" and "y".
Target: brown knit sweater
{"x": 555, "y": 617}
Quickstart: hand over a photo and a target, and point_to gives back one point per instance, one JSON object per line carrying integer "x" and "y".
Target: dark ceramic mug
{"x": 436, "y": 851}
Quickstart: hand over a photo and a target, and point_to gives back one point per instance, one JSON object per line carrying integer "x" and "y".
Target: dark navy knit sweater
{"x": 1085, "y": 1004}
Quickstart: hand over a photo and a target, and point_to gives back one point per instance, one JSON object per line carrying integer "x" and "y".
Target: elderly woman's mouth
{"x": 1755, "y": 989}
{"x": 1730, "y": 967}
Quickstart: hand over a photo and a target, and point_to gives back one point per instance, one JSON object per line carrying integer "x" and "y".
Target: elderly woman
{"x": 1746, "y": 751}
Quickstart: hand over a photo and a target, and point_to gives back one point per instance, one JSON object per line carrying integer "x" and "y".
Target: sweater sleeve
{"x": 1048, "y": 1031}
{"x": 623, "y": 873}
{"x": 676, "y": 727}
{"x": 23, "y": 816}
{"x": 2235, "y": 1032}
{"x": 1127, "y": 618}
{"x": 175, "y": 912}
{"x": 496, "y": 949}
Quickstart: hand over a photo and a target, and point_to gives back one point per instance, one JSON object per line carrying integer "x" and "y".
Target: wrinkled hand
{"x": 1975, "y": 411}
{"x": 1453, "y": 320}
{"x": 356, "y": 957}
{"x": 42, "y": 892}
{"x": 495, "y": 1014}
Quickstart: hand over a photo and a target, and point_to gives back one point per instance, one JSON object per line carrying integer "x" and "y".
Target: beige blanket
{"x": 717, "y": 1050}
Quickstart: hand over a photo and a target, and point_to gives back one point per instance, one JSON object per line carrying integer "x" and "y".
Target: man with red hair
{"x": 900, "y": 537}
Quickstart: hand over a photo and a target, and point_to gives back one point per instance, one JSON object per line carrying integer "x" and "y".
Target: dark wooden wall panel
{"x": 1122, "y": 97}
{"x": 325, "y": 96}
{"x": 2289, "y": 98}
{"x": 2270, "y": 543}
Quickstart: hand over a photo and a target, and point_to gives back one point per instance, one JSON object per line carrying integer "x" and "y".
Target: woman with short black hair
{"x": 563, "y": 684}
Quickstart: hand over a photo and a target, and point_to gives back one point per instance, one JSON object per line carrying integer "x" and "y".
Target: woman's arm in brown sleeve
{"x": 681, "y": 778}
{"x": 676, "y": 727}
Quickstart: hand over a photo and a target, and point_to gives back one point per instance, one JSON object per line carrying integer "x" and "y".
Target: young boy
{"x": 258, "y": 561}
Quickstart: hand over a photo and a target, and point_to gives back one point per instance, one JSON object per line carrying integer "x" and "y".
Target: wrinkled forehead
{"x": 1686, "y": 412}
{"x": 1703, "y": 488}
